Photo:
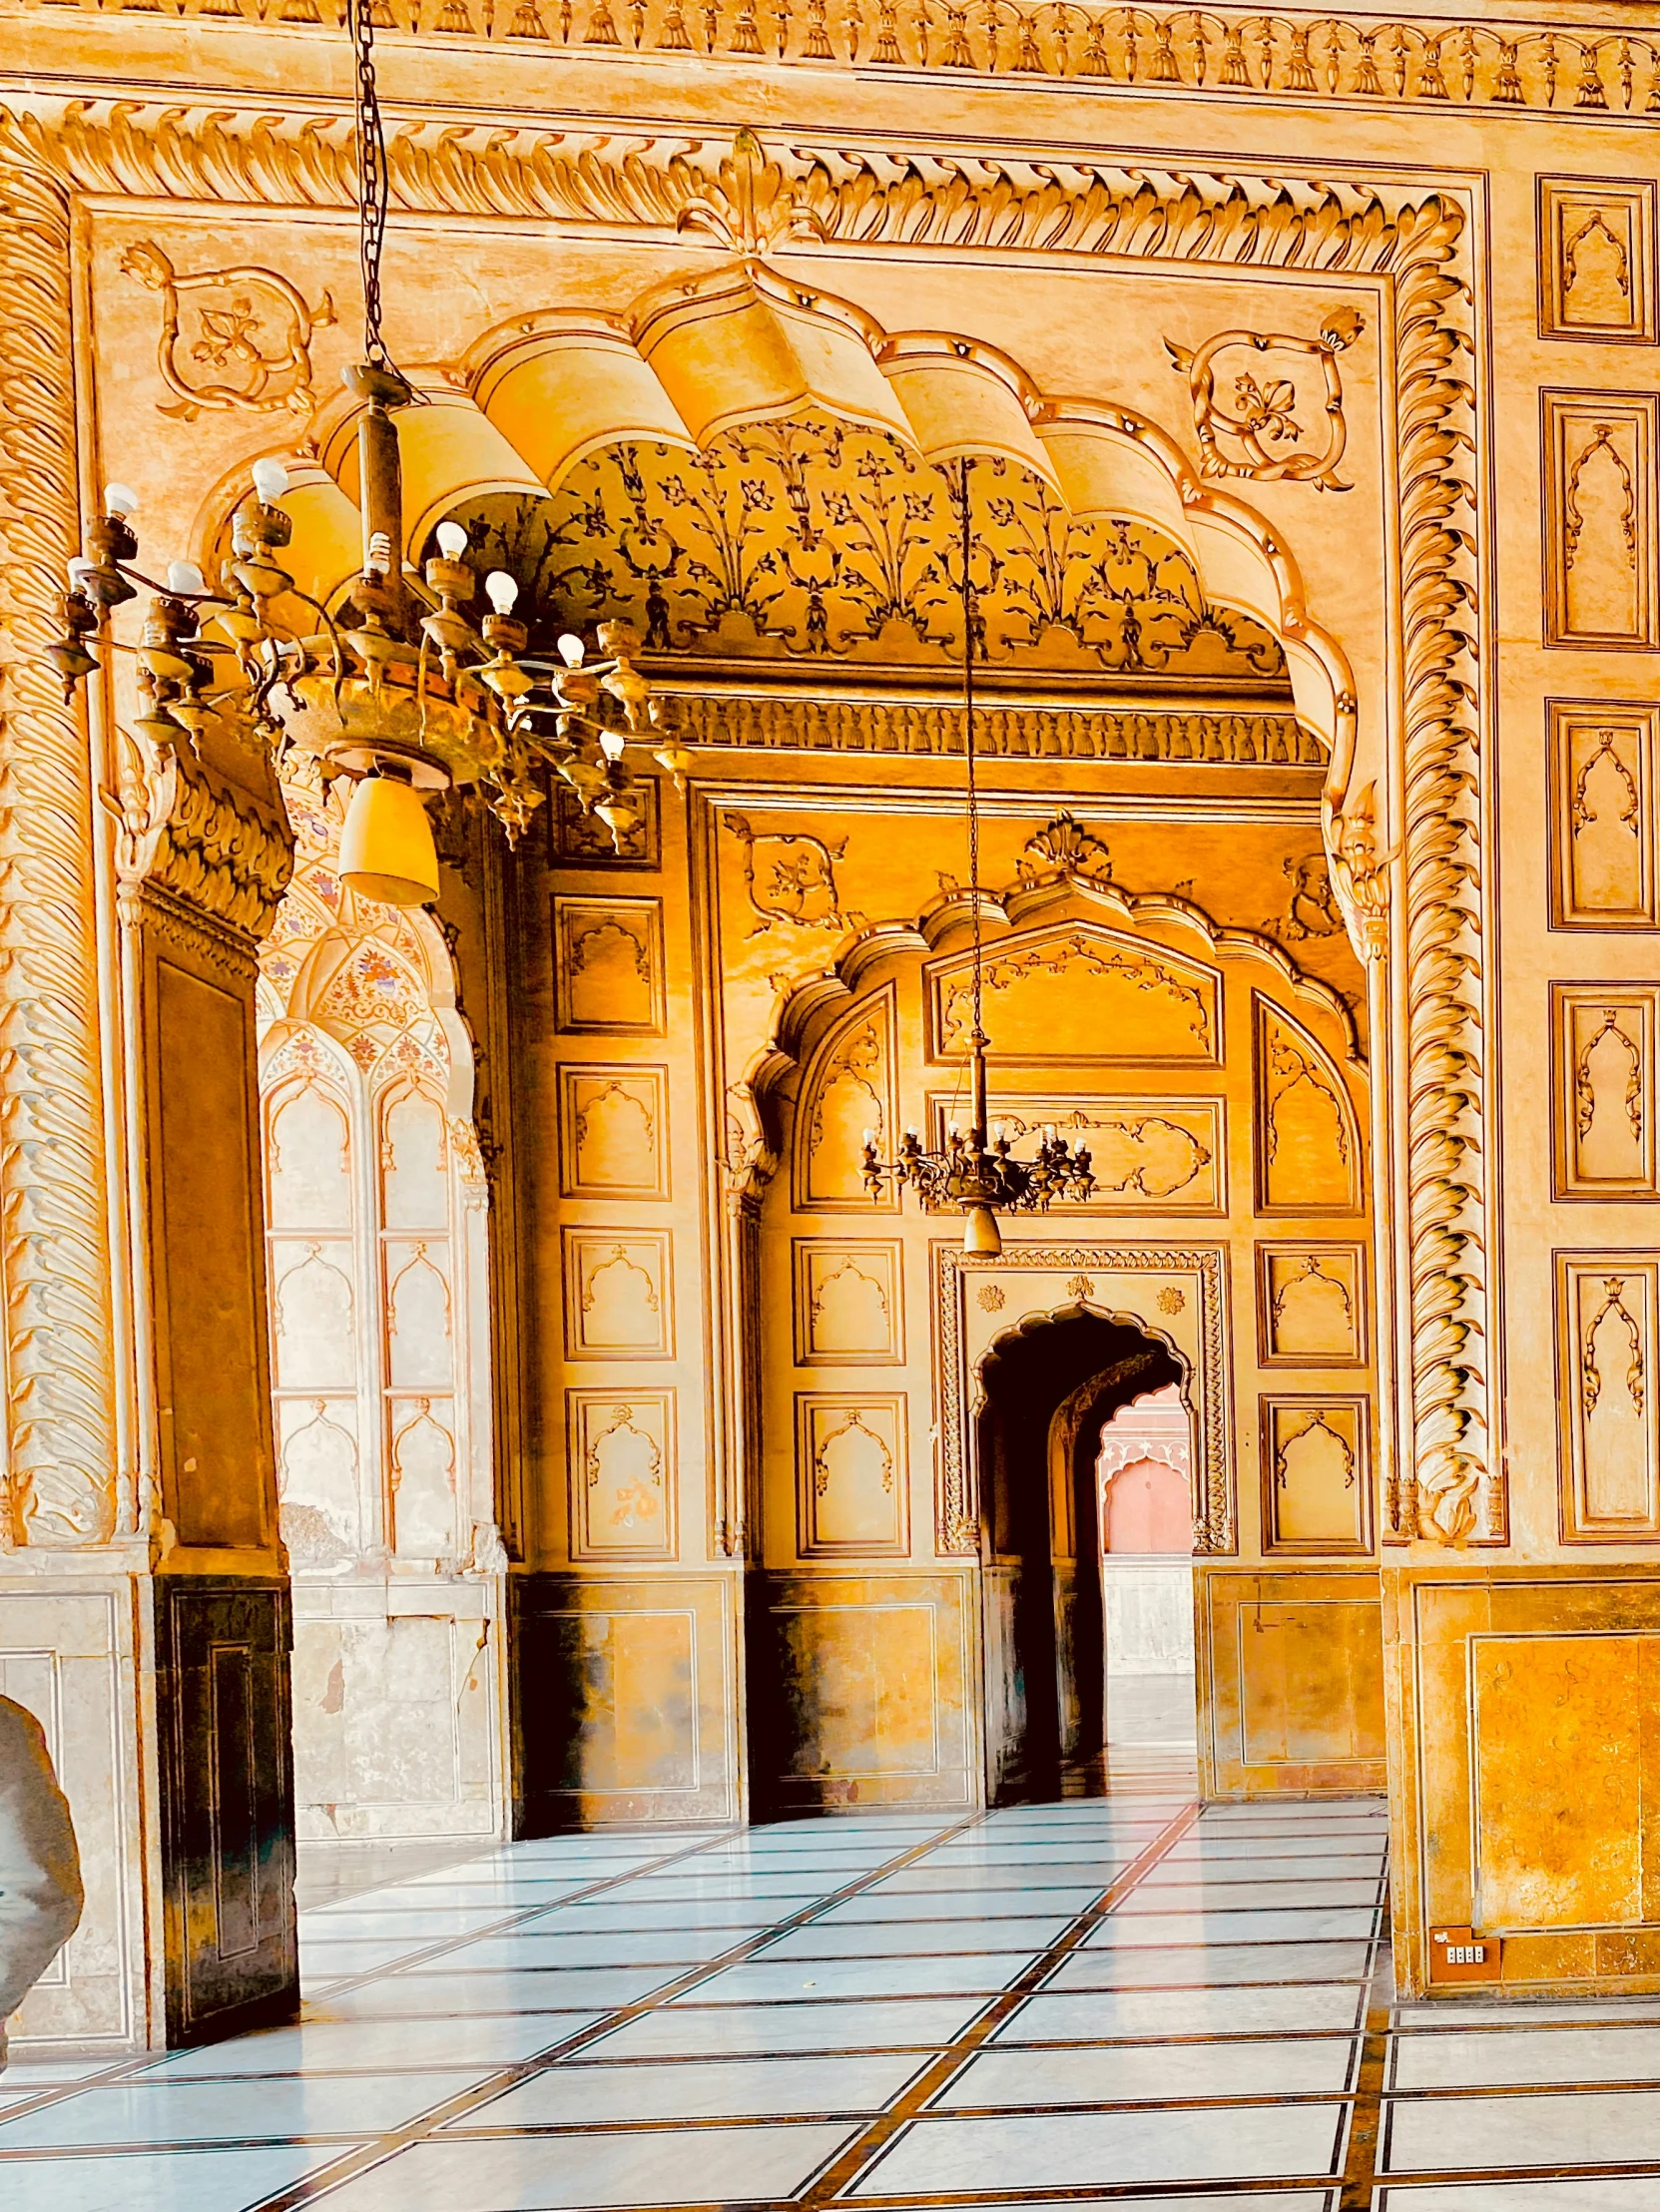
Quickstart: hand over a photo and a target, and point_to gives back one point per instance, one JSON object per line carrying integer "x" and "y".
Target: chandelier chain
{"x": 968, "y": 743}
{"x": 372, "y": 178}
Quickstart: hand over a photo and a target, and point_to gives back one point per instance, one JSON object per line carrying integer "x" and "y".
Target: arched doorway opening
{"x": 1144, "y": 1476}
{"x": 1047, "y": 1393}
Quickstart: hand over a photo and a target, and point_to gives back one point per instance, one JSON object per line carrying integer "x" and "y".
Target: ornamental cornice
{"x": 1416, "y": 239}
{"x": 1585, "y": 70}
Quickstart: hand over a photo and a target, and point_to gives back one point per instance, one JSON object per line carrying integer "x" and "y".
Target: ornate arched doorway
{"x": 1047, "y": 1388}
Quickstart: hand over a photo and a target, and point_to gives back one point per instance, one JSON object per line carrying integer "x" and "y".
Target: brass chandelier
{"x": 398, "y": 689}
{"x": 977, "y": 1170}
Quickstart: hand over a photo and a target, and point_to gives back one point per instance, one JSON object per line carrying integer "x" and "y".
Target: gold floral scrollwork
{"x": 1590, "y": 1376}
{"x": 1263, "y": 421}
{"x": 791, "y": 878}
{"x": 821, "y": 1461}
{"x": 1584, "y": 1082}
{"x": 232, "y": 338}
{"x": 1573, "y": 513}
{"x": 1319, "y": 1418}
{"x": 1064, "y": 847}
{"x": 203, "y": 835}
{"x": 1361, "y": 874}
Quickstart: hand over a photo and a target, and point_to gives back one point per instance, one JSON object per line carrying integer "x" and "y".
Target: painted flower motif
{"x": 991, "y": 1298}
{"x": 1170, "y": 1300}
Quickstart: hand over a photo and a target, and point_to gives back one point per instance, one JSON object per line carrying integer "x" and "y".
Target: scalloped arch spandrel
{"x": 849, "y": 1087}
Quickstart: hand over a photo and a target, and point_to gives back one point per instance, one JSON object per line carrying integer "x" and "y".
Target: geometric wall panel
{"x": 1603, "y": 1047}
{"x": 1534, "y": 1779}
{"x": 1596, "y": 260}
{"x": 618, "y": 1297}
{"x": 1310, "y": 1305}
{"x": 848, "y": 1090}
{"x": 1148, "y": 1155}
{"x": 608, "y": 967}
{"x": 1082, "y": 994}
{"x": 1601, "y": 587}
{"x": 620, "y": 1467}
{"x": 613, "y": 1132}
{"x": 847, "y": 1308}
{"x": 1602, "y": 759}
{"x": 1317, "y": 1475}
{"x": 850, "y": 1487}
{"x": 1307, "y": 1142}
{"x": 1606, "y": 1303}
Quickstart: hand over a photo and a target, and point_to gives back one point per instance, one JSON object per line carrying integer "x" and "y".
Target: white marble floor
{"x": 1099, "y": 2002}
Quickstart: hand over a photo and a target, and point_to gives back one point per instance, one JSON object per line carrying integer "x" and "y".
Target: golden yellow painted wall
{"x": 1462, "y": 238}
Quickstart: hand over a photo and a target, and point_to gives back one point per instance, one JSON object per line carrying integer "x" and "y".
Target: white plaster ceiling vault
{"x": 698, "y": 358}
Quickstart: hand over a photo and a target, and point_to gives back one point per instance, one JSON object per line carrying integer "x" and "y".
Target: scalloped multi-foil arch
{"x": 693, "y": 358}
{"x": 812, "y": 1009}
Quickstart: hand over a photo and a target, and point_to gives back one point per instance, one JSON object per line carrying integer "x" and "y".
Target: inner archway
{"x": 1047, "y": 1393}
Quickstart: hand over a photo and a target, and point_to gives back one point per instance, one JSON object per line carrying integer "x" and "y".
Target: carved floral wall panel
{"x": 1307, "y": 1142}
{"x": 847, "y": 1089}
{"x": 1606, "y": 1303}
{"x": 608, "y": 967}
{"x": 831, "y": 542}
{"x": 1596, "y": 260}
{"x": 1603, "y": 1048}
{"x": 1317, "y": 1475}
{"x": 1117, "y": 999}
{"x": 1602, "y": 760}
{"x": 849, "y": 1310}
{"x": 1311, "y": 1304}
{"x": 1600, "y": 584}
{"x": 619, "y": 1295}
{"x": 613, "y": 1132}
{"x": 620, "y": 1473}
{"x": 851, "y": 1489}
{"x": 1148, "y": 1154}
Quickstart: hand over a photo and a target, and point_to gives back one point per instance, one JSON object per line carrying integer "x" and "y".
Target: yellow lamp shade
{"x": 980, "y": 1233}
{"x": 386, "y": 849}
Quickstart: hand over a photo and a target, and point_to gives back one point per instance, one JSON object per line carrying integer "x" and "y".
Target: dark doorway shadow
{"x": 1048, "y": 1389}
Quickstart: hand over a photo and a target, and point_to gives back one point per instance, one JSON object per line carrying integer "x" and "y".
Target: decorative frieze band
{"x": 787, "y": 725}
{"x": 1589, "y": 71}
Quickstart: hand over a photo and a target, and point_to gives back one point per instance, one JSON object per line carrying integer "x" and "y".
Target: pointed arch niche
{"x": 1164, "y": 1041}
{"x": 377, "y": 1224}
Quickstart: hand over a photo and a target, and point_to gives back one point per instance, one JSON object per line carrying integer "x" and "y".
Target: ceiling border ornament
{"x": 1585, "y": 72}
{"x": 1416, "y": 239}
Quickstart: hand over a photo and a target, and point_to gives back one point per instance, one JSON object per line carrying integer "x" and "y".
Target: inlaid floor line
{"x": 858, "y": 2156}
{"x": 313, "y": 2187}
{"x": 1360, "y": 2165}
{"x": 128, "y": 2069}
{"x": 515, "y": 1922}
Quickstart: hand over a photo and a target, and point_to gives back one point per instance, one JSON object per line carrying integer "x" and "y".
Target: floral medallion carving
{"x": 1260, "y": 434}
{"x": 232, "y": 338}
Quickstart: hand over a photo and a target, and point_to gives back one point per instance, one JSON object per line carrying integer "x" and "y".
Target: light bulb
{"x": 612, "y": 742}
{"x": 185, "y": 576}
{"x": 121, "y": 499}
{"x": 271, "y": 480}
{"x": 869, "y": 1138}
{"x": 501, "y": 590}
{"x": 570, "y": 650}
{"x": 452, "y": 540}
{"x": 380, "y": 553}
{"x": 79, "y": 570}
